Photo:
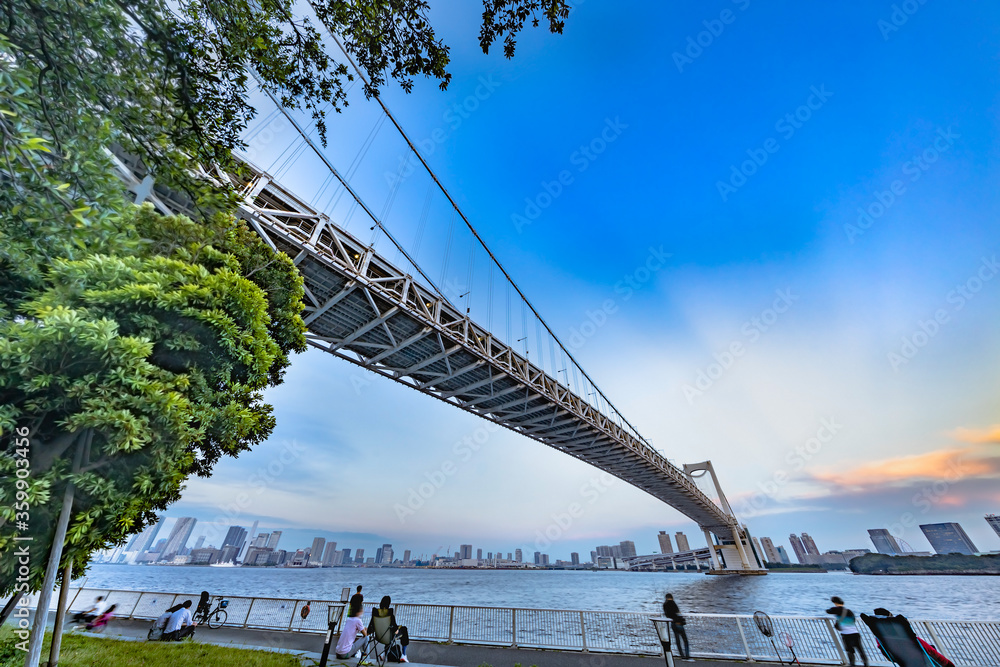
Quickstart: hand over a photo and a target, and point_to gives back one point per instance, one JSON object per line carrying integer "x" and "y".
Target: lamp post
{"x": 335, "y": 612}
{"x": 662, "y": 626}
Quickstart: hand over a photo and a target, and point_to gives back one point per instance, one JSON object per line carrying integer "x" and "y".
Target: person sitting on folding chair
{"x": 384, "y": 630}
{"x": 353, "y": 636}
{"x": 937, "y": 659}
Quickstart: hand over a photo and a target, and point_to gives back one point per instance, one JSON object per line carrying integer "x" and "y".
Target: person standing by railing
{"x": 847, "y": 624}
{"x": 677, "y": 622}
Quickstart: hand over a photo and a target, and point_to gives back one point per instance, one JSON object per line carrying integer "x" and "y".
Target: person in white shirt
{"x": 180, "y": 624}
{"x": 91, "y": 612}
{"x": 353, "y": 636}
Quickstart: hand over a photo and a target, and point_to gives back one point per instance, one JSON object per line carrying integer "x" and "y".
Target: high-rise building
{"x": 479, "y": 554}
{"x": 593, "y": 557}
{"x": 994, "y": 521}
{"x": 234, "y": 537}
{"x": 884, "y": 542}
{"x": 784, "y": 556}
{"x": 328, "y": 552}
{"x": 771, "y": 554}
{"x": 517, "y": 556}
{"x": 359, "y": 556}
{"x": 800, "y": 551}
{"x": 682, "y": 541}
{"x": 199, "y": 542}
{"x": 260, "y": 542}
{"x": 627, "y": 548}
{"x": 665, "y": 546}
{"x": 346, "y": 557}
{"x": 406, "y": 556}
{"x": 250, "y": 536}
{"x": 316, "y": 551}
{"x": 948, "y": 538}
{"x": 509, "y": 556}
{"x": 545, "y": 559}
{"x": 272, "y": 540}
{"x": 147, "y": 538}
{"x": 574, "y": 558}
{"x": 809, "y": 544}
{"x": 465, "y": 551}
{"x": 179, "y": 536}
{"x": 386, "y": 554}
{"x": 378, "y": 555}
{"x": 538, "y": 558}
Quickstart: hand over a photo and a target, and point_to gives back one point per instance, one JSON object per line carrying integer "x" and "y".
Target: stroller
{"x": 900, "y": 644}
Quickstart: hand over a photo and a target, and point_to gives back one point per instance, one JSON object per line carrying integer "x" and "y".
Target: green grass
{"x": 81, "y": 651}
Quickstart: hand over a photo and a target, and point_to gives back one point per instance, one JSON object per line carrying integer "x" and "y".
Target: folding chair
{"x": 898, "y": 641}
{"x": 381, "y": 635}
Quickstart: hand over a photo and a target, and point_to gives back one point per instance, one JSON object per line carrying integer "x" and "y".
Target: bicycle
{"x": 214, "y": 618}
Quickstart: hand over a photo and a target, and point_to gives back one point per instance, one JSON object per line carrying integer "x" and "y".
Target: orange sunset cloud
{"x": 941, "y": 464}
{"x": 978, "y": 436}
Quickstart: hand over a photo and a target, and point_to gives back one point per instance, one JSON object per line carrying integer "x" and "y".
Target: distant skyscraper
{"x": 346, "y": 558}
{"x": 386, "y": 554}
{"x": 545, "y": 559}
{"x": 593, "y": 557}
{"x": 884, "y": 542}
{"x": 682, "y": 541}
{"x": 328, "y": 552}
{"x": 771, "y": 554}
{"x": 948, "y": 538}
{"x": 406, "y": 556}
{"x": 250, "y": 536}
{"x": 994, "y": 521}
{"x": 465, "y": 551}
{"x": 800, "y": 551}
{"x": 148, "y": 537}
{"x": 179, "y": 537}
{"x": 628, "y": 548}
{"x": 359, "y": 555}
{"x": 316, "y": 551}
{"x": 235, "y": 537}
{"x": 378, "y": 555}
{"x": 574, "y": 558}
{"x": 517, "y": 556}
{"x": 665, "y": 546}
{"x": 809, "y": 544}
{"x": 479, "y": 554}
{"x": 784, "y": 556}
{"x": 272, "y": 540}
{"x": 199, "y": 542}
{"x": 538, "y": 558}
{"x": 260, "y": 541}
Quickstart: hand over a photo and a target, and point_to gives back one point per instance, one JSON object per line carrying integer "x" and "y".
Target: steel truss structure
{"x": 363, "y": 309}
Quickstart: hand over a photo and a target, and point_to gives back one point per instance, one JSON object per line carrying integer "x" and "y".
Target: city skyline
{"x": 804, "y": 547}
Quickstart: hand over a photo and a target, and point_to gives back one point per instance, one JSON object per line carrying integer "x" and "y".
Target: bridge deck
{"x": 364, "y": 309}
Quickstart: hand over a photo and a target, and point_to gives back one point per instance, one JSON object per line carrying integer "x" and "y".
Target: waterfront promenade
{"x": 460, "y": 635}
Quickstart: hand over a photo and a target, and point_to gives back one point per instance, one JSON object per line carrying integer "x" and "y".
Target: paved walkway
{"x": 422, "y": 654}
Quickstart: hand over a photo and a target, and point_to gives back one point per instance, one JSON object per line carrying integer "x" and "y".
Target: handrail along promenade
{"x": 732, "y": 636}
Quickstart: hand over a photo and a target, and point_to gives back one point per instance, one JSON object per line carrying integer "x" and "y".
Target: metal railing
{"x": 732, "y": 636}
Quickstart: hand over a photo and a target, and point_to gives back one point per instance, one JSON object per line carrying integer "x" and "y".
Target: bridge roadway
{"x": 363, "y": 309}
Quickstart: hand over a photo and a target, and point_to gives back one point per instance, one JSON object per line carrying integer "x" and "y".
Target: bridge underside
{"x": 363, "y": 309}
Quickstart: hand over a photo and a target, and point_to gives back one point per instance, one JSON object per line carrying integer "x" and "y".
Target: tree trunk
{"x": 8, "y": 608}
{"x": 52, "y": 568}
{"x": 57, "y": 631}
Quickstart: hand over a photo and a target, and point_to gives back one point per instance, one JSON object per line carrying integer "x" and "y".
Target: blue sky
{"x": 864, "y": 209}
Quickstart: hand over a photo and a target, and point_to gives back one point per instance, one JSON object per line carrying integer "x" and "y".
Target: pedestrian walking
{"x": 677, "y": 622}
{"x": 848, "y": 627}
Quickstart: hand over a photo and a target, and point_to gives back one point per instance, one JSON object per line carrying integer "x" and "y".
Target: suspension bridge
{"x": 395, "y": 321}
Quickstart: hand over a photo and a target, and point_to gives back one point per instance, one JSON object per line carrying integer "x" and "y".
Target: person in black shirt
{"x": 848, "y": 627}
{"x": 677, "y": 622}
{"x": 357, "y": 600}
